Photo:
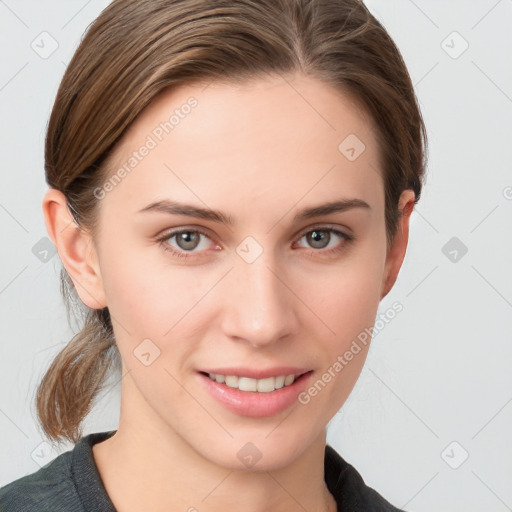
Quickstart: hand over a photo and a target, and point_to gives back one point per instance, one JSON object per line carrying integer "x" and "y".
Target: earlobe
{"x": 75, "y": 249}
{"x": 396, "y": 252}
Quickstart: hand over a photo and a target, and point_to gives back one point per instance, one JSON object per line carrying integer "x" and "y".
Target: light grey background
{"x": 437, "y": 382}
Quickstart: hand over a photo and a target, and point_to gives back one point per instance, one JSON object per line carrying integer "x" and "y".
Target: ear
{"x": 75, "y": 248}
{"x": 396, "y": 252}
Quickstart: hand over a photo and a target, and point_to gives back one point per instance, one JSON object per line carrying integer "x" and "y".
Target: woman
{"x": 230, "y": 187}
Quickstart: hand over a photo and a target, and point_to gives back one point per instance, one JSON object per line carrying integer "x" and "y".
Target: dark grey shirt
{"x": 71, "y": 483}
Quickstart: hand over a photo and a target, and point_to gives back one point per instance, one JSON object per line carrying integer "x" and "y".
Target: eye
{"x": 320, "y": 239}
{"x": 186, "y": 240}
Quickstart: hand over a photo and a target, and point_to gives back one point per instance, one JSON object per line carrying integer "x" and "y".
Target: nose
{"x": 259, "y": 306}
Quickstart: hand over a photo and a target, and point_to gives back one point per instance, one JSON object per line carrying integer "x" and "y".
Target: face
{"x": 264, "y": 283}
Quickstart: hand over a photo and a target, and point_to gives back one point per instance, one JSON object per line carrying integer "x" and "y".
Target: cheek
{"x": 137, "y": 295}
{"x": 151, "y": 298}
{"x": 149, "y": 295}
{"x": 346, "y": 296}
{"x": 347, "y": 303}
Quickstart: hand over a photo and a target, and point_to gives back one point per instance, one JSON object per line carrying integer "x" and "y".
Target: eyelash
{"x": 186, "y": 254}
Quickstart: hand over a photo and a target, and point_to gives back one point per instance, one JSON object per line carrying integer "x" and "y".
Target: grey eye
{"x": 188, "y": 240}
{"x": 319, "y": 238}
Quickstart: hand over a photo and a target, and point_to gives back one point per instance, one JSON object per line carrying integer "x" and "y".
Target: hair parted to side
{"x": 137, "y": 48}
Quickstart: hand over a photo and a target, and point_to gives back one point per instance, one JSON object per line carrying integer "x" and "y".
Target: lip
{"x": 253, "y": 373}
{"x": 253, "y": 403}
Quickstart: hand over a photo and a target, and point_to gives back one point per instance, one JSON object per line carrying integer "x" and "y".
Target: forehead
{"x": 265, "y": 140}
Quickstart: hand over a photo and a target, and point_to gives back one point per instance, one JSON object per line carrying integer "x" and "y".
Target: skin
{"x": 259, "y": 152}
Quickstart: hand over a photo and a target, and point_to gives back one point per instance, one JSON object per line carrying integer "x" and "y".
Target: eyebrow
{"x": 176, "y": 208}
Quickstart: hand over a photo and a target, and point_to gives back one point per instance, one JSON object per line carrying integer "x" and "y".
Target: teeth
{"x": 247, "y": 384}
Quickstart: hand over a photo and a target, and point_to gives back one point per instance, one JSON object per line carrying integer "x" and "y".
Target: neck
{"x": 146, "y": 465}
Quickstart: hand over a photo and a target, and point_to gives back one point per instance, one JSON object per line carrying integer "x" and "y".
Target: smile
{"x": 248, "y": 384}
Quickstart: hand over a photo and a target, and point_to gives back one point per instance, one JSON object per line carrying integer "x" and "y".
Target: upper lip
{"x": 255, "y": 373}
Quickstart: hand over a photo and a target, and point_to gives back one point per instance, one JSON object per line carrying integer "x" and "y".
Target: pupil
{"x": 319, "y": 238}
{"x": 187, "y": 240}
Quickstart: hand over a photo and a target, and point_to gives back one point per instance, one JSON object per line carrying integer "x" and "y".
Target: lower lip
{"x": 254, "y": 403}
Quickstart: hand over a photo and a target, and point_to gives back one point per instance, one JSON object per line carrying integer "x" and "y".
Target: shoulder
{"x": 348, "y": 487}
{"x": 50, "y": 488}
{"x": 69, "y": 483}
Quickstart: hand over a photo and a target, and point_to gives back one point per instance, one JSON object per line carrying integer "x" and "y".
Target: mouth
{"x": 255, "y": 398}
{"x": 266, "y": 385}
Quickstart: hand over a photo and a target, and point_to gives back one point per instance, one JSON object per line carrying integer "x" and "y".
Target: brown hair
{"x": 137, "y": 48}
